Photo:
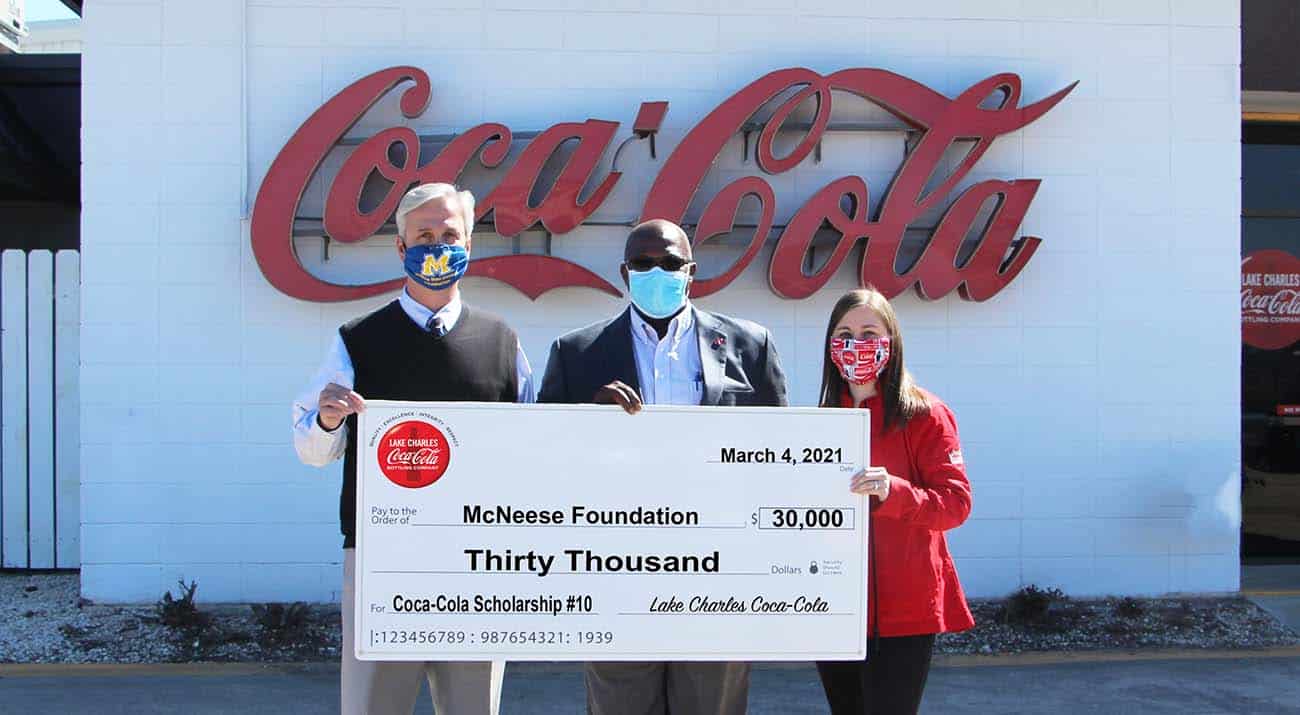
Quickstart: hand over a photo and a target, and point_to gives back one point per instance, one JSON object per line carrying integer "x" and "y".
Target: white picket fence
{"x": 40, "y": 353}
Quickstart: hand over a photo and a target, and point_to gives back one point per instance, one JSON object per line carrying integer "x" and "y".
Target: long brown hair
{"x": 899, "y": 393}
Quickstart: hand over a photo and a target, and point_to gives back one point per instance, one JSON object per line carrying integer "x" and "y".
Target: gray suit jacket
{"x": 738, "y": 358}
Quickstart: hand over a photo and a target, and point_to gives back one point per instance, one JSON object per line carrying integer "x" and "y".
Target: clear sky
{"x": 38, "y": 10}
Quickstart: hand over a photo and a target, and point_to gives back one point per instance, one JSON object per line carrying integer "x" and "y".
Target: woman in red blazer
{"x": 918, "y": 490}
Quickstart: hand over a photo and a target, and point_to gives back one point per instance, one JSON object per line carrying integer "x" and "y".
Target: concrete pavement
{"x": 1276, "y": 589}
{"x": 1225, "y": 682}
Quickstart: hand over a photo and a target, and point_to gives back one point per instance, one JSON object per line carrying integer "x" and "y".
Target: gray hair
{"x": 424, "y": 193}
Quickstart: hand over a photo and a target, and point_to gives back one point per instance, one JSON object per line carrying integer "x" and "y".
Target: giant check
{"x": 578, "y": 532}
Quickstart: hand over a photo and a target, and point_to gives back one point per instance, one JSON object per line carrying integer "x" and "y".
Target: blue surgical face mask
{"x": 658, "y": 293}
{"x": 436, "y": 266}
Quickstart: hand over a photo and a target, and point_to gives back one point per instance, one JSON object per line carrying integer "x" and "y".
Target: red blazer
{"x": 912, "y": 584}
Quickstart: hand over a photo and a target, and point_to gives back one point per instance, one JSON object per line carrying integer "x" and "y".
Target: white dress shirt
{"x": 669, "y": 370}
{"x": 317, "y": 446}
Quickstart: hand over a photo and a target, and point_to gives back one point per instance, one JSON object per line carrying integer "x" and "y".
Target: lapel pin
{"x": 719, "y": 341}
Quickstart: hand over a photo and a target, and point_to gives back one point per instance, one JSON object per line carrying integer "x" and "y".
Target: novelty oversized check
{"x": 578, "y": 532}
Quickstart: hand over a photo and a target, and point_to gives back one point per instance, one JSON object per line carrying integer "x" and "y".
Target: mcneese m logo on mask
{"x": 435, "y": 266}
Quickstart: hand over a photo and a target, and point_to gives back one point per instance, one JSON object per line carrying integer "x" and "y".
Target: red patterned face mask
{"x": 860, "y": 361}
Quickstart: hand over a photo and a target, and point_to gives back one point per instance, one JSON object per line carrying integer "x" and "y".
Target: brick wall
{"x": 1097, "y": 395}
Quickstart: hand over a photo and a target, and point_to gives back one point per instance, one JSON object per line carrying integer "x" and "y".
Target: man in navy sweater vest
{"x": 426, "y": 345}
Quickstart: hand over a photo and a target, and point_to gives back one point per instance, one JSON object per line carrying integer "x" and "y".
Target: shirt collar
{"x": 418, "y": 312}
{"x": 679, "y": 327}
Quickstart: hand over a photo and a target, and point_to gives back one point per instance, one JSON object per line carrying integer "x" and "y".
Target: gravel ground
{"x": 1120, "y": 624}
{"x": 44, "y": 620}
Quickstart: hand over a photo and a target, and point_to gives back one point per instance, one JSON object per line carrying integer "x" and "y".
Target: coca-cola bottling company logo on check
{"x": 413, "y": 454}
{"x": 978, "y": 116}
{"x": 1270, "y": 299}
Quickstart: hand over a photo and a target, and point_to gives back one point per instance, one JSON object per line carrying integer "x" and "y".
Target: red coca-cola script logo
{"x": 975, "y": 119}
{"x": 1270, "y": 299}
{"x": 413, "y": 454}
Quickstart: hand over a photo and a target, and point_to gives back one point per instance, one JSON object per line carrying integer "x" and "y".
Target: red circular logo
{"x": 1270, "y": 299}
{"x": 413, "y": 454}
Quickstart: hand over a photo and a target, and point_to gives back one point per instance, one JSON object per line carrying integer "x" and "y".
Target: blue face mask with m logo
{"x": 436, "y": 266}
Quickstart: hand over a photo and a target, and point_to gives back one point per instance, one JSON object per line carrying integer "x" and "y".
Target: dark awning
{"x": 40, "y": 128}
{"x": 1270, "y": 58}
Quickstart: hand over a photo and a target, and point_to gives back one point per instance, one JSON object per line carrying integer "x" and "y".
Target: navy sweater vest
{"x": 395, "y": 359}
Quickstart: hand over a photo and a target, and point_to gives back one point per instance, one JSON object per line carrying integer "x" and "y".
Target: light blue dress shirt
{"x": 669, "y": 370}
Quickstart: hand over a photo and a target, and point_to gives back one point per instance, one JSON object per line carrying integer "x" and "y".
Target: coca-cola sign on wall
{"x": 982, "y": 113}
{"x": 1270, "y": 299}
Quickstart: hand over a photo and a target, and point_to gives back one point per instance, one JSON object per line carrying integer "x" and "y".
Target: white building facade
{"x": 53, "y": 36}
{"x": 1097, "y": 393}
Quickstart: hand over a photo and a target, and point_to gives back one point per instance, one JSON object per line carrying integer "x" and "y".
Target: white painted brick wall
{"x": 1096, "y": 467}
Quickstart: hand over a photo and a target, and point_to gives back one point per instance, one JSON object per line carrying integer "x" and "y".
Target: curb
{"x": 1107, "y": 656}
{"x": 47, "y": 670}
{"x": 1009, "y": 660}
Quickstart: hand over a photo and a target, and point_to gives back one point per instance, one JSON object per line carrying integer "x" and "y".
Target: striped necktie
{"x": 435, "y": 326}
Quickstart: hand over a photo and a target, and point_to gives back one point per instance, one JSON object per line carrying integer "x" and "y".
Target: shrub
{"x": 1129, "y": 607}
{"x": 1030, "y": 605}
{"x": 277, "y": 620}
{"x": 181, "y": 613}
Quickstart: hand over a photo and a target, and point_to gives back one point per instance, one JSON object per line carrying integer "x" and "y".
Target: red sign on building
{"x": 1270, "y": 299}
{"x": 980, "y": 114}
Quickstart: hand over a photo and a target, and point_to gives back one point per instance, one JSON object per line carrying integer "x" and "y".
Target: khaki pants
{"x": 672, "y": 688}
{"x": 390, "y": 688}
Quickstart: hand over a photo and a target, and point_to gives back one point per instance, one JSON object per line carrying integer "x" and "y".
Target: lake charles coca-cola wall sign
{"x": 1270, "y": 299}
{"x": 979, "y": 115}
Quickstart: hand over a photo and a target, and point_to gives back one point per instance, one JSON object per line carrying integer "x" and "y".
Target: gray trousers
{"x": 667, "y": 688}
{"x": 390, "y": 687}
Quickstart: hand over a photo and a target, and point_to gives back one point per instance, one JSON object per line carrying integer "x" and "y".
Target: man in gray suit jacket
{"x": 662, "y": 350}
